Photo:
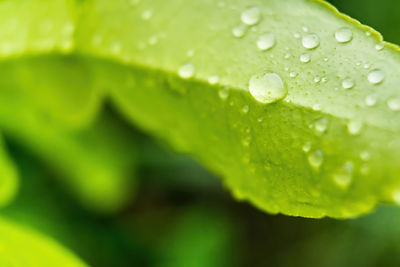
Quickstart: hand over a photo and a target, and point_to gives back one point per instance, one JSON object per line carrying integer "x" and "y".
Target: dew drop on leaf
{"x": 343, "y": 35}
{"x": 344, "y": 175}
{"x": 214, "y": 79}
{"x": 316, "y": 159}
{"x": 310, "y": 41}
{"x": 266, "y": 41}
{"x": 186, "y": 71}
{"x": 306, "y": 147}
{"x": 267, "y": 88}
{"x": 223, "y": 93}
{"x": 251, "y": 15}
{"x": 348, "y": 83}
{"x": 371, "y": 100}
{"x": 305, "y": 58}
{"x": 321, "y": 125}
{"x": 354, "y": 126}
{"x": 394, "y": 104}
{"x": 376, "y": 76}
{"x": 239, "y": 31}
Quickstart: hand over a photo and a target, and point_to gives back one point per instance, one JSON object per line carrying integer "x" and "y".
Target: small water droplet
{"x": 344, "y": 175}
{"x": 223, "y": 93}
{"x": 305, "y": 29}
{"x": 344, "y": 35}
{"x": 186, "y": 71}
{"x": 316, "y": 159}
{"x": 317, "y": 79}
{"x": 394, "y": 104}
{"x": 296, "y": 35}
{"x": 260, "y": 119}
{"x": 326, "y": 59}
{"x": 267, "y": 88}
{"x": 316, "y": 107}
{"x": 310, "y": 41}
{"x": 321, "y": 125}
{"x": 348, "y": 83}
{"x": 147, "y": 14}
{"x": 379, "y": 47}
{"x": 239, "y": 31}
{"x": 293, "y": 74}
{"x": 354, "y": 126}
{"x": 287, "y": 56}
{"x": 371, "y": 100}
{"x": 266, "y": 41}
{"x": 324, "y": 79}
{"x": 251, "y": 15}
{"x": 214, "y": 79}
{"x": 367, "y": 66}
{"x": 305, "y": 58}
{"x": 376, "y": 76}
{"x": 245, "y": 109}
{"x": 190, "y": 53}
{"x": 368, "y": 33}
{"x": 307, "y": 147}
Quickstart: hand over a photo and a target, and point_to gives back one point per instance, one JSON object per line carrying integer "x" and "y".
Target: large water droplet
{"x": 186, "y": 71}
{"x": 376, "y": 76}
{"x": 344, "y": 35}
{"x": 354, "y": 126}
{"x": 267, "y": 88}
{"x": 310, "y": 41}
{"x": 321, "y": 125}
{"x": 316, "y": 159}
{"x": 344, "y": 175}
{"x": 266, "y": 41}
{"x": 239, "y": 31}
{"x": 251, "y": 16}
{"x": 394, "y": 104}
{"x": 305, "y": 58}
{"x": 348, "y": 83}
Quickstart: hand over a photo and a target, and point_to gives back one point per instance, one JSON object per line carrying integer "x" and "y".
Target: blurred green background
{"x": 180, "y": 215}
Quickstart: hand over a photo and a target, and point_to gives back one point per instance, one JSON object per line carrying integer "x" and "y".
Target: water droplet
{"x": 287, "y": 56}
{"x": 245, "y": 109}
{"x": 376, "y": 76}
{"x": 379, "y": 47}
{"x": 310, "y": 41}
{"x": 296, "y": 35}
{"x": 223, "y": 93}
{"x": 316, "y": 107}
{"x": 354, "y": 126}
{"x": 305, "y": 29}
{"x": 267, "y": 88}
{"x": 367, "y": 66}
{"x": 239, "y": 31}
{"x": 251, "y": 16}
{"x": 190, "y": 53}
{"x": 147, "y": 14}
{"x": 186, "y": 71}
{"x": 394, "y": 104}
{"x": 214, "y": 79}
{"x": 348, "y": 83}
{"x": 324, "y": 79}
{"x": 371, "y": 100}
{"x": 321, "y": 125}
{"x": 293, "y": 74}
{"x": 368, "y": 33}
{"x": 344, "y": 35}
{"x": 260, "y": 119}
{"x": 266, "y": 41}
{"x": 305, "y": 58}
{"x": 316, "y": 159}
{"x": 326, "y": 59}
{"x": 317, "y": 79}
{"x": 344, "y": 175}
{"x": 307, "y": 147}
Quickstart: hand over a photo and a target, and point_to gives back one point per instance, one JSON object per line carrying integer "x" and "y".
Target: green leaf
{"x": 9, "y": 179}
{"x": 22, "y": 247}
{"x": 175, "y": 69}
{"x": 48, "y": 105}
